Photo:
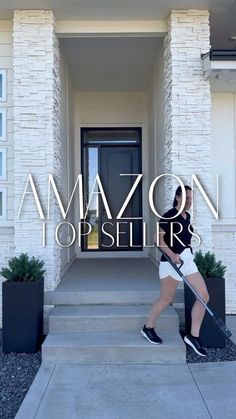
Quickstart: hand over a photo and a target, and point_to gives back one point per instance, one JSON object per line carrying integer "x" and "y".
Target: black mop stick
{"x": 218, "y": 321}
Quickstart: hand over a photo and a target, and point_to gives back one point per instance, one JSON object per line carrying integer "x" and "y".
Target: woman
{"x": 177, "y": 249}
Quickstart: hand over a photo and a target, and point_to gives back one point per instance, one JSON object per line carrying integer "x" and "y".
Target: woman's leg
{"x": 168, "y": 288}
{"x": 198, "y": 311}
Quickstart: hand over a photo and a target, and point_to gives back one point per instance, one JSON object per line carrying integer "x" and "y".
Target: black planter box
{"x": 22, "y": 316}
{"x": 210, "y": 335}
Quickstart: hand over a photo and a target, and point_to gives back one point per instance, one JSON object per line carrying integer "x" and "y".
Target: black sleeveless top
{"x": 184, "y": 236}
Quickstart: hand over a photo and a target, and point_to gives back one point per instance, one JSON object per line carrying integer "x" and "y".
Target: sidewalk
{"x": 118, "y": 391}
{"x": 133, "y": 391}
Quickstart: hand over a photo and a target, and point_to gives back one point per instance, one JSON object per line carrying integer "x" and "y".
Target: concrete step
{"x": 104, "y": 318}
{"x": 75, "y": 297}
{"x": 115, "y": 347}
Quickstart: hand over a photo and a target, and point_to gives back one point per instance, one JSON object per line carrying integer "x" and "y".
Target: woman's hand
{"x": 176, "y": 258}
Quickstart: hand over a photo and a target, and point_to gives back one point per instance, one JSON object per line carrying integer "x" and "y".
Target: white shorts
{"x": 189, "y": 266}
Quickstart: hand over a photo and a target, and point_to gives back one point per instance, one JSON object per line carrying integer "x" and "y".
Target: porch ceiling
{"x": 110, "y": 64}
{"x": 110, "y": 9}
{"x": 222, "y": 12}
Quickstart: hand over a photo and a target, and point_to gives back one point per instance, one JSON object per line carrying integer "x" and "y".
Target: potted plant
{"x": 213, "y": 273}
{"x": 22, "y": 304}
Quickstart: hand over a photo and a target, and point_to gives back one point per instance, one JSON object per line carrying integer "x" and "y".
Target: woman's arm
{"x": 162, "y": 244}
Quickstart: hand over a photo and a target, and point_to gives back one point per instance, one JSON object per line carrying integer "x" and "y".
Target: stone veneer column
{"x": 187, "y": 138}
{"x": 36, "y": 101}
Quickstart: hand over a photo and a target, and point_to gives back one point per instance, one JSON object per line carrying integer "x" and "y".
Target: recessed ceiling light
{"x": 232, "y": 38}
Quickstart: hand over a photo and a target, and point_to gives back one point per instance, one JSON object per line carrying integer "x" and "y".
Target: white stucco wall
{"x": 7, "y": 224}
{"x": 67, "y": 158}
{"x": 71, "y": 156}
{"x": 223, "y": 129}
{"x": 6, "y": 44}
{"x": 223, "y": 121}
{"x": 156, "y": 141}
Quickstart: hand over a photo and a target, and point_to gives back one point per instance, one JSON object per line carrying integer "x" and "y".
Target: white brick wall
{"x": 187, "y": 140}
{"x": 36, "y": 130}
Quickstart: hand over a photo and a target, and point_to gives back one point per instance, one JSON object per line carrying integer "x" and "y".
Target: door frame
{"x": 139, "y": 146}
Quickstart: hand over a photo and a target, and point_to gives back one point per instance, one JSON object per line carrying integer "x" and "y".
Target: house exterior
{"x": 104, "y": 89}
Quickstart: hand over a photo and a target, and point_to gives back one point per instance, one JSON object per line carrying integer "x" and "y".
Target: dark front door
{"x": 115, "y": 154}
{"x": 116, "y": 163}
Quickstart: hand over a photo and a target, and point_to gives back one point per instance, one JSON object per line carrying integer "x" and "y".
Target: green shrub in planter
{"x": 208, "y": 266}
{"x": 22, "y": 304}
{"x": 213, "y": 273}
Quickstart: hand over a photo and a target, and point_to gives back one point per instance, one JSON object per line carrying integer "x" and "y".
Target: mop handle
{"x": 217, "y": 320}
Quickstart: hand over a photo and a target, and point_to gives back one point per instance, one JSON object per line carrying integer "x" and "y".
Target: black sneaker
{"x": 195, "y": 343}
{"x": 150, "y": 335}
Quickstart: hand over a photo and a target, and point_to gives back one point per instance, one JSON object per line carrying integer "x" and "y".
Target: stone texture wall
{"x": 36, "y": 102}
{"x": 187, "y": 137}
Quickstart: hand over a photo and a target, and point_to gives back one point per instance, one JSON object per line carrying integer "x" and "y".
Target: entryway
{"x": 112, "y": 112}
{"x": 115, "y": 155}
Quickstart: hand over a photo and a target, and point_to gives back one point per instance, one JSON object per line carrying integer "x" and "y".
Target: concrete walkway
{"x": 133, "y": 391}
{"x": 118, "y": 391}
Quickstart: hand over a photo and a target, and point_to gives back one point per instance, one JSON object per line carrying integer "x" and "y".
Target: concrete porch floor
{"x": 112, "y": 274}
{"x": 109, "y": 280}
